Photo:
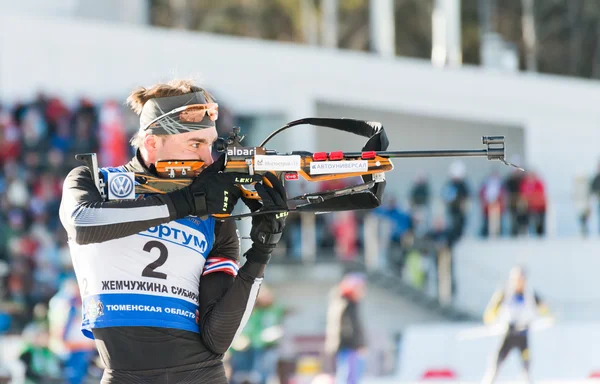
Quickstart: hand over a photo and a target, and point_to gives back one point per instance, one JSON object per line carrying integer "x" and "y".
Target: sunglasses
{"x": 188, "y": 114}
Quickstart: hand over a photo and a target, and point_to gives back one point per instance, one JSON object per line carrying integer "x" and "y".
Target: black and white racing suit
{"x": 162, "y": 297}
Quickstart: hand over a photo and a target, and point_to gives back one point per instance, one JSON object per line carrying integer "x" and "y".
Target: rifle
{"x": 370, "y": 164}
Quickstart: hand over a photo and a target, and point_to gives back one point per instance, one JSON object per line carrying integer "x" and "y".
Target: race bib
{"x": 149, "y": 279}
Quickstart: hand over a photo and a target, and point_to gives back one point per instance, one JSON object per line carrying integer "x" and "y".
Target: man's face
{"x": 195, "y": 145}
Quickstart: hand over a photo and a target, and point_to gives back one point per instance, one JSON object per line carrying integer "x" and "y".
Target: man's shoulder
{"x": 85, "y": 171}
{"x": 77, "y": 176}
{"x": 80, "y": 170}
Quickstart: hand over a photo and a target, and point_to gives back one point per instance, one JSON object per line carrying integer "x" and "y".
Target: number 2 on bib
{"x": 149, "y": 271}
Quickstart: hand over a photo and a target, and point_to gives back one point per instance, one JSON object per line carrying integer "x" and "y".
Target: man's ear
{"x": 151, "y": 143}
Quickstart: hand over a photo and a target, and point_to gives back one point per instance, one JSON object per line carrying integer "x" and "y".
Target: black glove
{"x": 267, "y": 228}
{"x": 211, "y": 192}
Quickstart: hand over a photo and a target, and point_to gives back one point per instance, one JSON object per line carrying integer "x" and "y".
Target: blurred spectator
{"x": 436, "y": 245}
{"x": 42, "y": 366}
{"x": 400, "y": 232}
{"x": 66, "y": 340}
{"x": 402, "y": 221}
{"x": 533, "y": 193}
{"x": 10, "y": 138}
{"x": 415, "y": 268}
{"x": 338, "y": 231}
{"x": 255, "y": 352}
{"x": 345, "y": 342}
{"x": 581, "y": 197}
{"x": 456, "y": 195}
{"x": 517, "y": 211}
{"x": 420, "y": 203}
{"x": 344, "y": 228}
{"x": 492, "y": 196}
{"x": 113, "y": 138}
{"x": 437, "y": 235}
{"x": 6, "y": 310}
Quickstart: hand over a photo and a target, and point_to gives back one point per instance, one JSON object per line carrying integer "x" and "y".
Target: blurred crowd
{"x": 38, "y": 140}
{"x": 416, "y": 230}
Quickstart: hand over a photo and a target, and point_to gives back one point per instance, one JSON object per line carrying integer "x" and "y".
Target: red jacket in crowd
{"x": 532, "y": 191}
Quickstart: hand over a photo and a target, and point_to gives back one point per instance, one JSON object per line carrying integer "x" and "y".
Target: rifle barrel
{"x": 490, "y": 153}
{"x": 436, "y": 153}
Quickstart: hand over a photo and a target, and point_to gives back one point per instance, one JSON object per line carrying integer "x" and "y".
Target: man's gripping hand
{"x": 267, "y": 228}
{"x": 211, "y": 192}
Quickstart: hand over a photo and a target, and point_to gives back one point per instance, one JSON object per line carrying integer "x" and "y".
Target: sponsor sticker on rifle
{"x": 240, "y": 151}
{"x": 326, "y": 167}
{"x": 277, "y": 162}
{"x": 121, "y": 186}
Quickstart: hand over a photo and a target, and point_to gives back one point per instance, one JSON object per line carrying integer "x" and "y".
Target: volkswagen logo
{"x": 121, "y": 186}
